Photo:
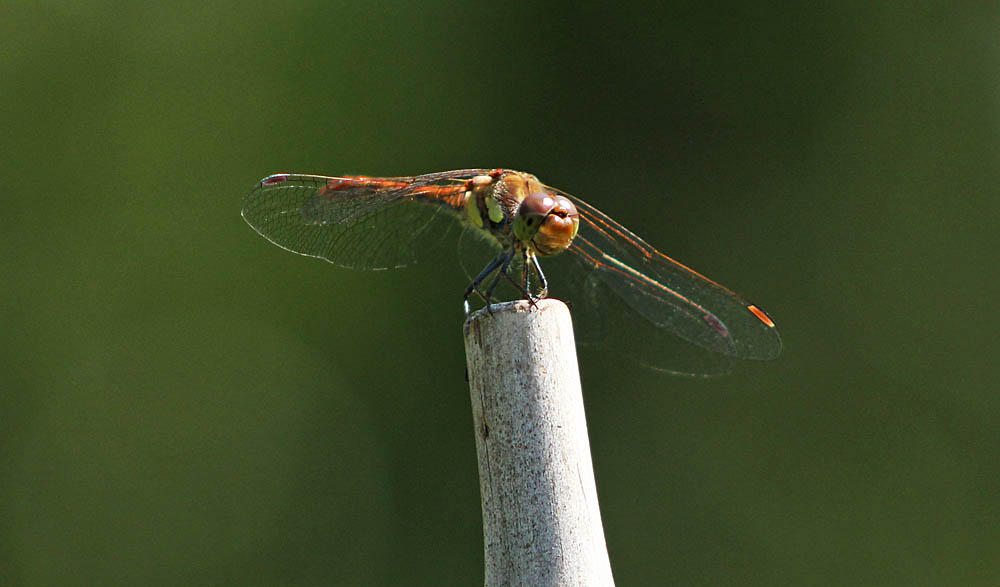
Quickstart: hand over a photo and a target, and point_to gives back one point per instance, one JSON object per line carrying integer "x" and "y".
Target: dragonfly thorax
{"x": 517, "y": 210}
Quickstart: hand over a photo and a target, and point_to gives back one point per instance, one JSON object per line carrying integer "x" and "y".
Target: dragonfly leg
{"x": 500, "y": 263}
{"x": 508, "y": 257}
{"x": 474, "y": 286}
{"x": 525, "y": 279}
{"x": 524, "y": 287}
{"x": 544, "y": 292}
{"x": 525, "y": 274}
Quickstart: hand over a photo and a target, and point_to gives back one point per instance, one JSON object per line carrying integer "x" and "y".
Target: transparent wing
{"x": 357, "y": 222}
{"x": 618, "y": 266}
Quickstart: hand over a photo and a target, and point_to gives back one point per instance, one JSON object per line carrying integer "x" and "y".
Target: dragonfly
{"x": 633, "y": 298}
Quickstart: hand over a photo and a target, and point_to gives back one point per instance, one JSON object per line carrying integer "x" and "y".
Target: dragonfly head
{"x": 547, "y": 223}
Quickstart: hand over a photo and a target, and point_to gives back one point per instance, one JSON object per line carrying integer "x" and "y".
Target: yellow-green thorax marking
{"x": 518, "y": 210}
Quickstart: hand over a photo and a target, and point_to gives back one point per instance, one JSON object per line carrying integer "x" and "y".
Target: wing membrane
{"x": 669, "y": 295}
{"x": 365, "y": 223}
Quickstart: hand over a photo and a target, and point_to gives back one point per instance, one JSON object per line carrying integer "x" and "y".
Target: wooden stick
{"x": 541, "y": 519}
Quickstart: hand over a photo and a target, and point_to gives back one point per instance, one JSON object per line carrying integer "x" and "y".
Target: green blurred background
{"x": 185, "y": 403}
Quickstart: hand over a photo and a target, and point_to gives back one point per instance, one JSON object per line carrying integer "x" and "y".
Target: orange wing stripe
{"x": 453, "y": 195}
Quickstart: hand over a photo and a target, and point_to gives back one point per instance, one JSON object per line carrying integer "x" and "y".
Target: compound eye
{"x": 534, "y": 207}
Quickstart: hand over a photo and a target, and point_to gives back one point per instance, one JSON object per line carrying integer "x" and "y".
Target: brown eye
{"x": 536, "y": 206}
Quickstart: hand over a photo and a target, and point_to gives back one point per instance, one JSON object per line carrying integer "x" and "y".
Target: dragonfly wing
{"x": 356, "y": 222}
{"x": 668, "y": 295}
